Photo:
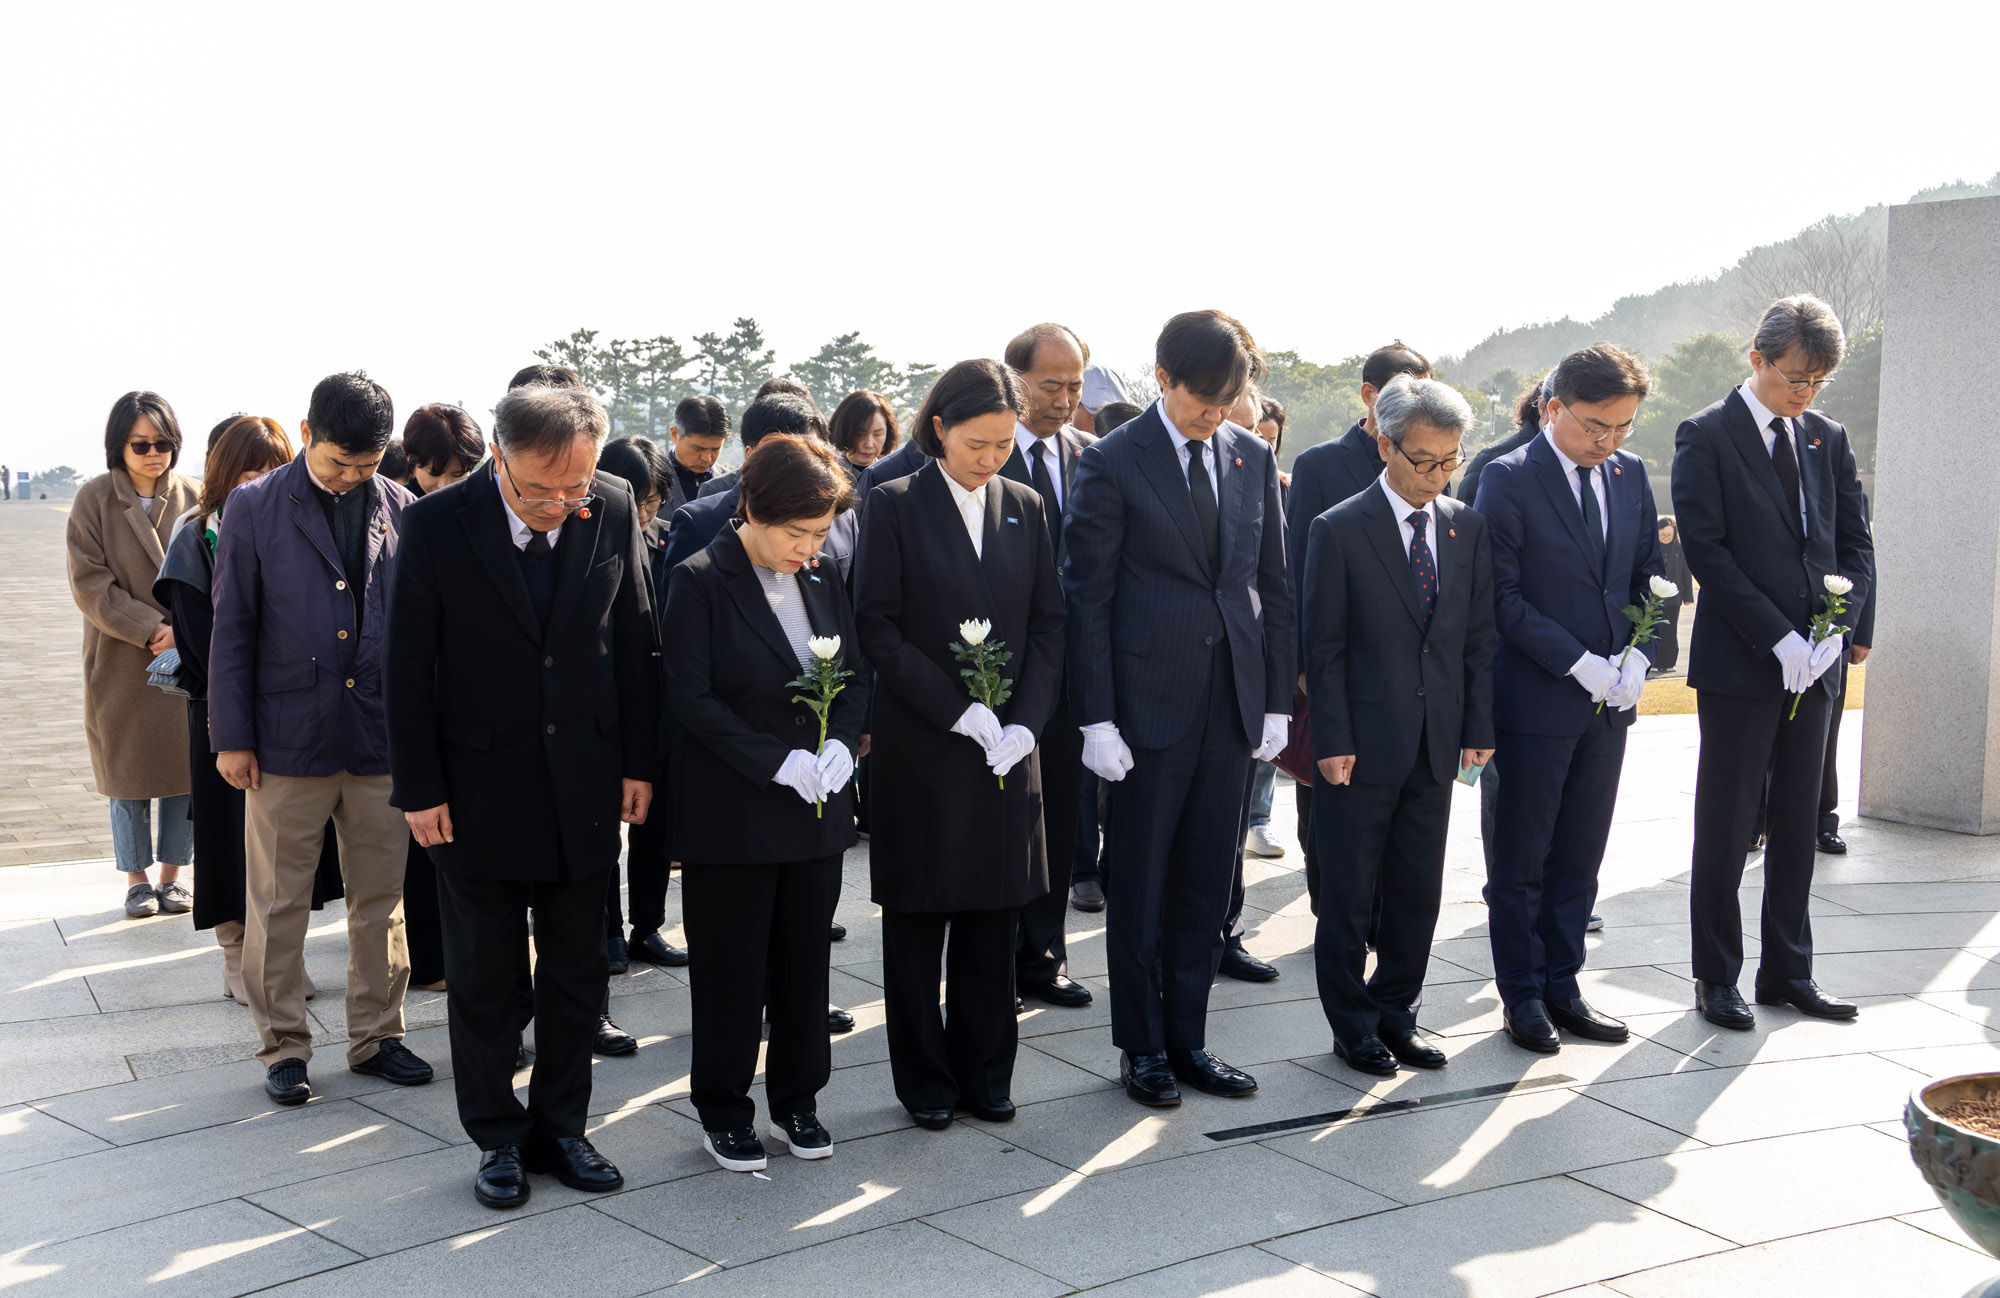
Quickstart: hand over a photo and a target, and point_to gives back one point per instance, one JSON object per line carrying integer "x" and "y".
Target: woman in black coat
{"x": 240, "y": 449}
{"x": 950, "y": 849}
{"x": 1667, "y": 652}
{"x": 762, "y": 812}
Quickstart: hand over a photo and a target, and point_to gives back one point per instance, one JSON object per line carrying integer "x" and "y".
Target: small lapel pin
{"x": 1815, "y": 441}
{"x": 812, "y": 576}
{"x": 1239, "y": 461}
{"x": 1617, "y": 472}
{"x": 1451, "y": 532}
{"x": 815, "y": 561}
{"x": 1013, "y": 520}
{"x": 584, "y": 512}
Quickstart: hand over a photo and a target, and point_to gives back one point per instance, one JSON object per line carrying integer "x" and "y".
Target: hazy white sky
{"x": 226, "y": 202}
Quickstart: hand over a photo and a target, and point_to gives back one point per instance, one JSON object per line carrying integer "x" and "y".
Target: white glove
{"x": 835, "y": 767}
{"x": 1795, "y": 659}
{"x": 978, "y": 724}
{"x": 800, "y": 774}
{"x": 1277, "y": 733}
{"x": 1631, "y": 682}
{"x": 1825, "y": 654}
{"x": 1105, "y": 753}
{"x": 1016, "y": 742}
{"x": 1596, "y": 674}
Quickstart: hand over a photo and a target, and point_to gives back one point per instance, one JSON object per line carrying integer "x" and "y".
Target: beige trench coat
{"x": 138, "y": 735}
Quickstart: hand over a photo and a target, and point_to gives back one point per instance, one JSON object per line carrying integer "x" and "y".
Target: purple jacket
{"x": 288, "y": 676}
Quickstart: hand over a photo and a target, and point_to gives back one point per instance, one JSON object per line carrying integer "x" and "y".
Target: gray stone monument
{"x": 1932, "y": 751}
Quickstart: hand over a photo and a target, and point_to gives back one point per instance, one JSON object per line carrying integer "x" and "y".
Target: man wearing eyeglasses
{"x": 1399, "y": 675}
{"x": 1769, "y": 506}
{"x": 1575, "y": 543}
{"x": 524, "y": 703}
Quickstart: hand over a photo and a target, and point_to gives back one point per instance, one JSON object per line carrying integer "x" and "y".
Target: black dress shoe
{"x": 838, "y": 1020}
{"x": 1831, "y": 843}
{"x": 1415, "y": 1053}
{"x": 1240, "y": 964}
{"x": 616, "y": 958}
{"x": 1722, "y": 1005}
{"x": 1804, "y": 995}
{"x": 502, "y": 1181}
{"x": 836, "y": 932}
{"x": 1756, "y": 842}
{"x": 1087, "y": 895}
{"x": 573, "y": 1161}
{"x": 520, "y": 1055}
{"x": 1205, "y": 1072}
{"x": 1059, "y": 990}
{"x": 285, "y": 1082}
{"x": 1528, "y": 1027}
{"x": 1578, "y": 1018}
{"x": 654, "y": 949}
{"x": 614, "y": 1041}
{"x": 932, "y": 1119}
{"x": 1020, "y": 1006}
{"x": 1149, "y": 1079}
{"x": 1000, "y": 1110}
{"x": 1366, "y": 1055}
{"x": 394, "y": 1062}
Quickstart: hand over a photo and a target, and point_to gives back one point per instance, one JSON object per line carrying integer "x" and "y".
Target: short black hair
{"x": 1210, "y": 354}
{"x": 782, "y": 383}
{"x": 1385, "y": 363}
{"x": 640, "y": 462}
{"x": 967, "y": 390}
{"x": 1020, "y": 353}
{"x": 796, "y": 477}
{"x": 780, "y": 412}
{"x": 702, "y": 416}
{"x": 545, "y": 421}
{"x": 395, "y": 465}
{"x": 1600, "y": 372}
{"x": 1113, "y": 415}
{"x": 544, "y": 375}
{"x": 353, "y": 412}
{"x": 125, "y": 412}
{"x": 438, "y": 435}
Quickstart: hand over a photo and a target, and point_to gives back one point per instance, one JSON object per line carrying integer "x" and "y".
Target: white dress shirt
{"x": 1181, "y": 444}
{"x": 520, "y": 530}
{"x": 1597, "y": 484}
{"x": 1763, "y": 417}
{"x": 1403, "y": 509}
{"x": 1033, "y": 446}
{"x": 971, "y": 508}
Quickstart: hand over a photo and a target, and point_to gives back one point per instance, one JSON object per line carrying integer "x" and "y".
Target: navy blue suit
{"x": 899, "y": 463}
{"x": 1186, "y": 660}
{"x": 1556, "y": 598}
{"x": 696, "y": 523}
{"x": 1761, "y": 572}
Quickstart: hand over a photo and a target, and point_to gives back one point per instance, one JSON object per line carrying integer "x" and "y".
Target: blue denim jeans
{"x": 1263, "y": 788}
{"x": 132, "y": 833}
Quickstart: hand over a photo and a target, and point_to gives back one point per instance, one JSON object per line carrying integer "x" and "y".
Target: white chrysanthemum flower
{"x": 1664, "y": 588}
{"x": 1838, "y": 585}
{"x": 975, "y": 631}
{"x": 824, "y": 647}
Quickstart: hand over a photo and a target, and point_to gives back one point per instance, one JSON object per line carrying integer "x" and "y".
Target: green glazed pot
{"x": 1962, "y": 1168}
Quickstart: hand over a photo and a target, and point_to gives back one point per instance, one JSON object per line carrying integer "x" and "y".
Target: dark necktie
{"x": 538, "y": 574}
{"x": 1422, "y": 566}
{"x": 1038, "y": 473}
{"x": 1786, "y": 462}
{"x": 538, "y": 544}
{"x": 1593, "y": 521}
{"x": 1203, "y": 490}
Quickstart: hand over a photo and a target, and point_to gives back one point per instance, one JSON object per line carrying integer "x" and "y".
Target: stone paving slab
{"x": 223, "y": 1249}
{"x": 910, "y": 1259}
{"x": 1862, "y": 1261}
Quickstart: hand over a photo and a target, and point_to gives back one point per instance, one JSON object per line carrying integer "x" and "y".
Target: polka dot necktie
{"x": 1422, "y": 566}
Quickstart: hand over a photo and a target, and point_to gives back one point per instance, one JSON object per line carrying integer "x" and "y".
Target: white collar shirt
{"x": 519, "y": 531}
{"x": 1182, "y": 443}
{"x": 971, "y": 509}
{"x": 1762, "y": 416}
{"x": 1033, "y": 446}
{"x": 1402, "y": 509}
{"x": 1597, "y": 483}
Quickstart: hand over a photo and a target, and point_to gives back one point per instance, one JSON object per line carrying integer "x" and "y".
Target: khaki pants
{"x": 284, "y": 827}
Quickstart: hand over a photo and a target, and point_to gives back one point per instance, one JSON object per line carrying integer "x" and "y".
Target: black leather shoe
{"x": 836, "y": 932}
{"x": 1831, "y": 843}
{"x": 804, "y": 1136}
{"x": 1528, "y": 1027}
{"x": 1595, "y": 924}
{"x": 1020, "y": 1006}
{"x": 1240, "y": 964}
{"x": 1149, "y": 1079}
{"x": 394, "y": 1062}
{"x": 285, "y": 1082}
{"x": 1205, "y": 1072}
{"x": 572, "y": 1160}
{"x": 838, "y": 1020}
{"x": 520, "y": 1055}
{"x": 614, "y": 1041}
{"x": 1804, "y": 995}
{"x": 617, "y": 959}
{"x": 1087, "y": 895}
{"x": 1000, "y": 1110}
{"x": 1415, "y": 1053}
{"x": 654, "y": 949}
{"x": 1059, "y": 990}
{"x": 1578, "y": 1018}
{"x": 502, "y": 1181}
{"x": 1366, "y": 1055}
{"x": 1722, "y": 1005}
{"x": 735, "y": 1151}
{"x": 1756, "y": 842}
{"x": 932, "y": 1119}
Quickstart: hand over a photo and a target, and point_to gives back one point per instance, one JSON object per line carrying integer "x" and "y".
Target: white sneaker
{"x": 1262, "y": 842}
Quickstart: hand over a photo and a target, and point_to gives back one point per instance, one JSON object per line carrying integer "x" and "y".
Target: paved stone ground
{"x": 137, "y": 1149}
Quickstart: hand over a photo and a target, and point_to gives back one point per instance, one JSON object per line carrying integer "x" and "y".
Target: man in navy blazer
{"x": 1399, "y": 621}
{"x": 1322, "y": 477}
{"x": 1180, "y": 670}
{"x": 1575, "y": 543}
{"x": 1769, "y": 507}
{"x": 695, "y": 524}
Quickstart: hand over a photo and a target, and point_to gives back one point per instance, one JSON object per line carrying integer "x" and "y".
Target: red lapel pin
{"x": 1815, "y": 441}
{"x": 1617, "y": 472}
{"x": 1239, "y": 463}
{"x": 583, "y": 513}
{"x": 1451, "y": 532}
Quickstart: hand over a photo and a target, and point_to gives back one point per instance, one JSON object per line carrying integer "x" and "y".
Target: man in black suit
{"x": 1399, "y": 625}
{"x": 1322, "y": 477}
{"x": 524, "y": 695}
{"x": 1575, "y": 543}
{"x": 700, "y": 427}
{"x": 1180, "y": 646}
{"x": 1769, "y": 507}
{"x": 696, "y": 523}
{"x": 1050, "y": 360}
